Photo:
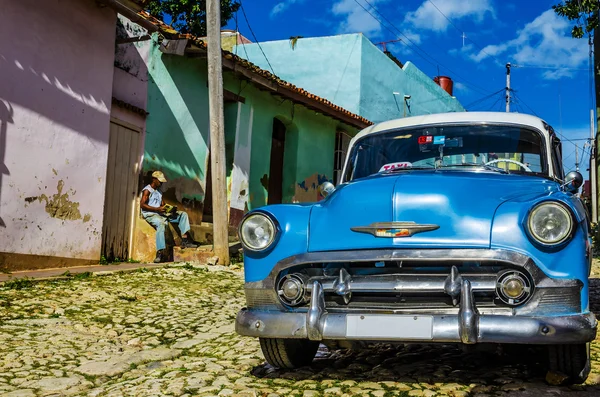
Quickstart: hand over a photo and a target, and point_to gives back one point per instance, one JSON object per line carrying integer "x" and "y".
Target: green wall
{"x": 177, "y": 124}
{"x": 177, "y": 134}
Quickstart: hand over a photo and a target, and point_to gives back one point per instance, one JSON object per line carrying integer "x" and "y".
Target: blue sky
{"x": 550, "y": 69}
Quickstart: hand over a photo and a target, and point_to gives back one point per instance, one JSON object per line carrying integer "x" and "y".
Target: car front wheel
{"x": 288, "y": 353}
{"x": 571, "y": 360}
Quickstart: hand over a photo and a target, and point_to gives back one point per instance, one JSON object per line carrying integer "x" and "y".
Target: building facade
{"x": 353, "y": 73}
{"x": 55, "y": 114}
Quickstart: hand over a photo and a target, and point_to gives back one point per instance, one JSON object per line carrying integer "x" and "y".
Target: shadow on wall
{"x": 41, "y": 90}
{"x": 6, "y": 117}
{"x": 174, "y": 151}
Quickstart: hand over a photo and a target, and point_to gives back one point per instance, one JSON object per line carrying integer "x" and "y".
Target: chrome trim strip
{"x": 402, "y": 283}
{"x": 421, "y": 255}
{"x": 411, "y": 227}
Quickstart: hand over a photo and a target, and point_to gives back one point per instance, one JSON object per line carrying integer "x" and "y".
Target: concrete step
{"x": 201, "y": 255}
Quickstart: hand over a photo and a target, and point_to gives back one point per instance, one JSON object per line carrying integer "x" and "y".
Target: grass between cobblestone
{"x": 170, "y": 331}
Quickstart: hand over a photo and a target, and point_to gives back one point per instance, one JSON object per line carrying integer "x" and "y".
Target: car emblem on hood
{"x": 394, "y": 229}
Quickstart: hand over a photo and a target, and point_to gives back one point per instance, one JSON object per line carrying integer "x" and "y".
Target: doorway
{"x": 275, "y": 191}
{"x": 121, "y": 189}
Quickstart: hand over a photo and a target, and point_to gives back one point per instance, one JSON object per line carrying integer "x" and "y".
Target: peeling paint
{"x": 59, "y": 205}
{"x": 87, "y": 217}
{"x": 264, "y": 181}
{"x": 54, "y": 171}
{"x": 308, "y": 189}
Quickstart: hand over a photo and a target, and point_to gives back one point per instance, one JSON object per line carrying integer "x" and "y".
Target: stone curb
{"x": 42, "y": 275}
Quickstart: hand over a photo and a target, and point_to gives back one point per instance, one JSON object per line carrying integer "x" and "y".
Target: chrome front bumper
{"x": 468, "y": 326}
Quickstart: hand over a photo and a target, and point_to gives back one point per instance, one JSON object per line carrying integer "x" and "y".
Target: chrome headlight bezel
{"x": 565, "y": 237}
{"x": 272, "y": 240}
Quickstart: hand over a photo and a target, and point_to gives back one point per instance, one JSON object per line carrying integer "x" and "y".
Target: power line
{"x": 483, "y": 99}
{"x": 435, "y": 61}
{"x": 495, "y": 103}
{"x": 254, "y": 36}
{"x": 520, "y": 65}
{"x": 562, "y": 136}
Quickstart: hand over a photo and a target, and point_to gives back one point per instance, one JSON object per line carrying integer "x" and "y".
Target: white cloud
{"x": 428, "y": 17}
{"x": 460, "y": 87}
{"x": 355, "y": 18}
{"x": 282, "y": 6}
{"x": 405, "y": 47}
{"x": 544, "y": 42}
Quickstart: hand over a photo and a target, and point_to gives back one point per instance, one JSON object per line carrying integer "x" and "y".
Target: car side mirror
{"x": 326, "y": 188}
{"x": 573, "y": 181}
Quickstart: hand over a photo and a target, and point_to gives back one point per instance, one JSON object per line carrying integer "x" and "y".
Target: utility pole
{"x": 217, "y": 132}
{"x": 508, "y": 87}
{"x": 593, "y": 170}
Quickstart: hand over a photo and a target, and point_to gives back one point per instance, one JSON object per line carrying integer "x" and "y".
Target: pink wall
{"x": 56, "y": 74}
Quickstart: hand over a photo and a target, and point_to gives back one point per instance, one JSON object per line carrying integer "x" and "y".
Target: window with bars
{"x": 342, "y": 141}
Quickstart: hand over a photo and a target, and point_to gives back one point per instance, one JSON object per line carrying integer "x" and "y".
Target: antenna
{"x": 508, "y": 87}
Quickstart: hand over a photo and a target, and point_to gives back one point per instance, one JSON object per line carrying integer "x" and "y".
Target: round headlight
{"x": 550, "y": 223}
{"x": 257, "y": 232}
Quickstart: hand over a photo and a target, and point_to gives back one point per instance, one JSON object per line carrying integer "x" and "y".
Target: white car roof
{"x": 457, "y": 117}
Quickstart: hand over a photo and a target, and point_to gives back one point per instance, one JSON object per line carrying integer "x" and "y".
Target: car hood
{"x": 461, "y": 203}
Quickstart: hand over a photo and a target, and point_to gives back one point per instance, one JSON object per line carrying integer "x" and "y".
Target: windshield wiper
{"x": 487, "y": 167}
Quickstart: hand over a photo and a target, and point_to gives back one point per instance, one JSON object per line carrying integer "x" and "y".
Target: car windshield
{"x": 503, "y": 148}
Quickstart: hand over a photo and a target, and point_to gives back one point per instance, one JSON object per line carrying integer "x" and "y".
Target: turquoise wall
{"x": 354, "y": 74}
{"x": 177, "y": 127}
{"x": 381, "y": 77}
{"x": 177, "y": 134}
{"x": 325, "y": 66}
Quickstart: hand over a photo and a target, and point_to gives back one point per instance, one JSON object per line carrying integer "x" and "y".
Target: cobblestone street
{"x": 170, "y": 331}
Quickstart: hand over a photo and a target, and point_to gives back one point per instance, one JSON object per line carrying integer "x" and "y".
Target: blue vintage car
{"x": 456, "y": 227}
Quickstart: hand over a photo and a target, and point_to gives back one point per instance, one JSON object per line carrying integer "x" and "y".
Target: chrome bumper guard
{"x": 468, "y": 326}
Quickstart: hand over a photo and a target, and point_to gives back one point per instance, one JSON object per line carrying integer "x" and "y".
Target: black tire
{"x": 288, "y": 353}
{"x": 570, "y": 360}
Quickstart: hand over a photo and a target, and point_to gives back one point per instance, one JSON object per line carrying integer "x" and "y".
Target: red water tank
{"x": 445, "y": 82}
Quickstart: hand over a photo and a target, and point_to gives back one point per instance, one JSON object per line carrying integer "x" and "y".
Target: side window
{"x": 557, "y": 158}
{"x": 342, "y": 141}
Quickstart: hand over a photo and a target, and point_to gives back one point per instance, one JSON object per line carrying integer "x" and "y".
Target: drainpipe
{"x": 130, "y": 14}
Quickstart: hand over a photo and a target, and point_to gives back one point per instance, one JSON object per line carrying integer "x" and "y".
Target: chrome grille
{"x": 257, "y": 298}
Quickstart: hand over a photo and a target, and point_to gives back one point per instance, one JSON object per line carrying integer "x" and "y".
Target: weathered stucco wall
{"x": 130, "y": 87}
{"x": 55, "y": 101}
{"x": 177, "y": 135}
{"x": 177, "y": 139}
{"x": 308, "y": 153}
{"x": 351, "y": 72}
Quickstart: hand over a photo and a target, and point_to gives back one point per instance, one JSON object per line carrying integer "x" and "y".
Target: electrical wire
{"x": 495, "y": 103}
{"x": 418, "y": 50}
{"x": 254, "y": 36}
{"x": 520, "y": 65}
{"x": 238, "y": 32}
{"x": 562, "y": 136}
{"x": 476, "y": 102}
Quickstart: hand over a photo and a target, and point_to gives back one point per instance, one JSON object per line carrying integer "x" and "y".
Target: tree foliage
{"x": 583, "y": 12}
{"x": 189, "y": 16}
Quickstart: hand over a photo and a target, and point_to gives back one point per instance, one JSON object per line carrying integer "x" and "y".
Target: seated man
{"x": 154, "y": 212}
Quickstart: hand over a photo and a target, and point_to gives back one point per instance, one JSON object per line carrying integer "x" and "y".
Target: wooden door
{"x": 121, "y": 190}
{"x": 275, "y": 194}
